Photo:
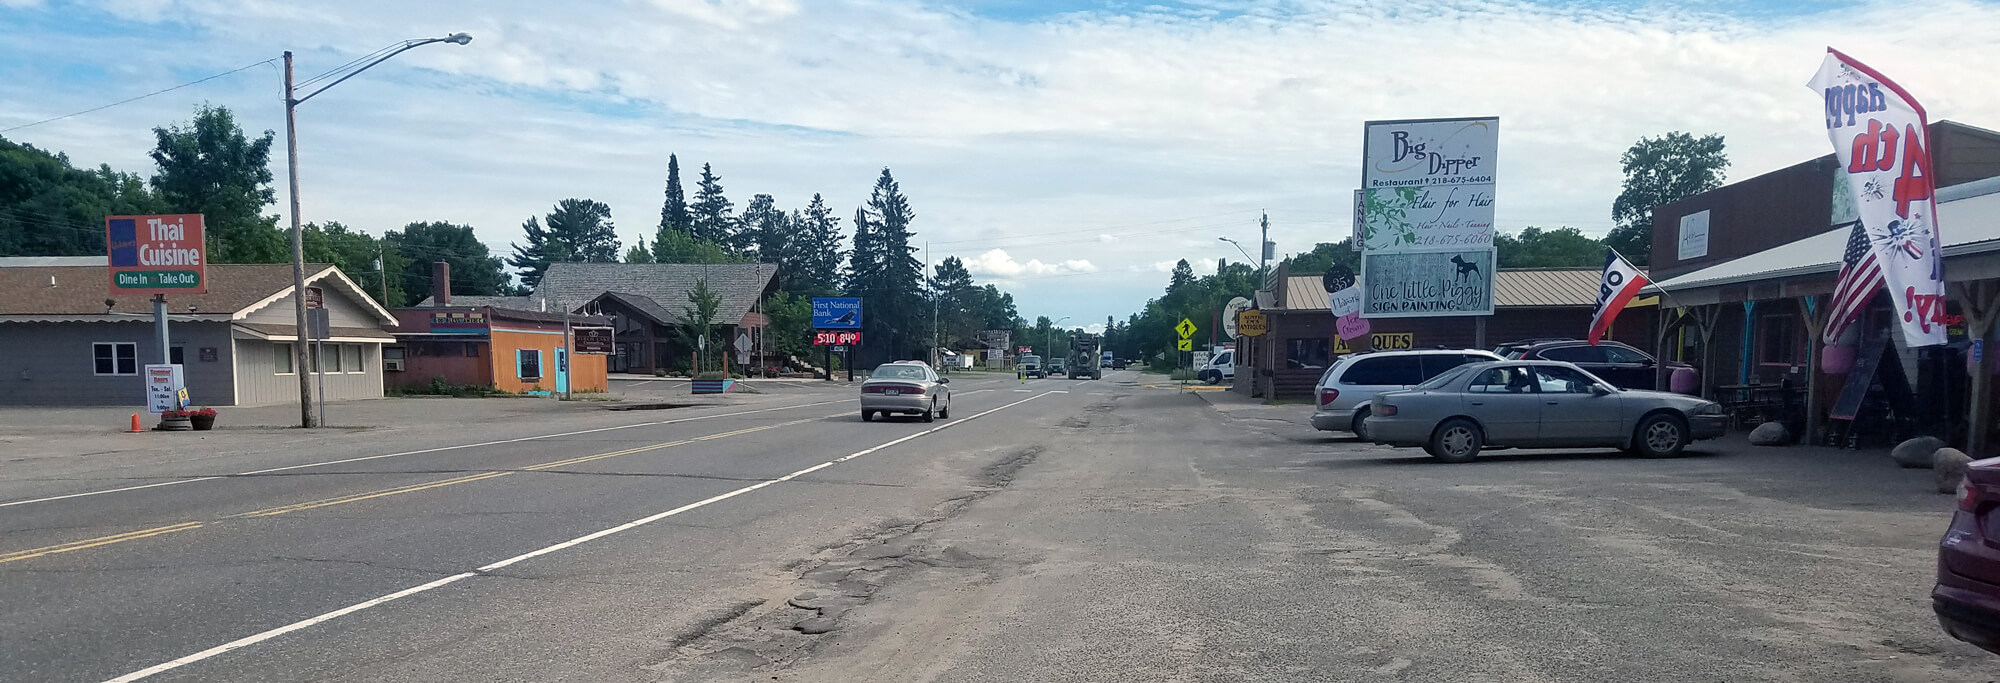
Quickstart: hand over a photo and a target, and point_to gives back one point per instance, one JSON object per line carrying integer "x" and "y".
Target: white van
{"x": 1220, "y": 367}
{"x": 1344, "y": 391}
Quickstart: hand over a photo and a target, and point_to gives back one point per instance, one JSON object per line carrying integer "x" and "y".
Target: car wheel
{"x": 1457, "y": 440}
{"x": 945, "y": 412}
{"x": 931, "y": 412}
{"x": 867, "y": 416}
{"x": 1211, "y": 377}
{"x": 1660, "y": 436}
{"x": 1361, "y": 424}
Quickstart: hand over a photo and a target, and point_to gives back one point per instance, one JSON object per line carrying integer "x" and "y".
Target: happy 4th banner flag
{"x": 1881, "y": 136}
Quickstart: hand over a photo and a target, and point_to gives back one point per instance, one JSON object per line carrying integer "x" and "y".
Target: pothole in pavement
{"x": 770, "y": 634}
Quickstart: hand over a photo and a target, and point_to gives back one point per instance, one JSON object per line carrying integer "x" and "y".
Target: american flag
{"x": 1860, "y": 277}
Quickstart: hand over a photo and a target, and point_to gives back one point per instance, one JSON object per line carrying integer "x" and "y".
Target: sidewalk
{"x": 1238, "y": 406}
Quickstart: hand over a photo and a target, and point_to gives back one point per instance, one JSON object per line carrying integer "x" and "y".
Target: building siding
{"x": 53, "y": 363}
{"x": 259, "y": 384}
{"x": 587, "y": 373}
{"x": 340, "y": 312}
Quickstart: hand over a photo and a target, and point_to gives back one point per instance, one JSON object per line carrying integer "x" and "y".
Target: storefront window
{"x": 1778, "y": 340}
{"x": 1307, "y": 353}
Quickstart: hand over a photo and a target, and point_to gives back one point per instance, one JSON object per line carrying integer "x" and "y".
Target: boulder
{"x": 1949, "y": 468}
{"x": 1916, "y": 453}
{"x": 1770, "y": 434}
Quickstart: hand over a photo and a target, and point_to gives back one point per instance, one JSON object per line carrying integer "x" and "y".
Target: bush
{"x": 660, "y": 372}
{"x": 1182, "y": 375}
{"x": 712, "y": 374}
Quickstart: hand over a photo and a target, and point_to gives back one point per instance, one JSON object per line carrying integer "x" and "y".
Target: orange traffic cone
{"x": 135, "y": 425}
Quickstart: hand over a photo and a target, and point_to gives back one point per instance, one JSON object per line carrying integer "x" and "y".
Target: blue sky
{"x": 1070, "y": 151}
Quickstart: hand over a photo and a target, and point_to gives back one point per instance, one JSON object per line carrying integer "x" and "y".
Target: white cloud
{"x": 1094, "y": 328}
{"x": 997, "y": 264}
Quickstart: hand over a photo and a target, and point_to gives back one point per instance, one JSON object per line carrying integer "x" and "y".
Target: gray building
{"x": 65, "y": 340}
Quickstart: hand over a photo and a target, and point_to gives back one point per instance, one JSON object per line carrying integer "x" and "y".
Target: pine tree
{"x": 639, "y": 253}
{"x": 816, "y": 249}
{"x": 895, "y": 286}
{"x": 674, "y": 215}
{"x": 576, "y": 230}
{"x": 864, "y": 260}
{"x": 709, "y": 216}
{"x": 760, "y": 217}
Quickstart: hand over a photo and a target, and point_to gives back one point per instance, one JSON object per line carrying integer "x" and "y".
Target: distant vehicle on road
{"x": 906, "y": 387}
{"x": 1621, "y": 365}
{"x": 1085, "y": 359}
{"x": 1055, "y": 368}
{"x": 1353, "y": 380}
{"x": 1537, "y": 404}
{"x": 1220, "y": 367}
{"x": 1030, "y": 366}
{"x": 1967, "y": 595}
{"x": 1118, "y": 363}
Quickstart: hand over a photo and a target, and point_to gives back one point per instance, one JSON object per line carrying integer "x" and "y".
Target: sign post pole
{"x": 160, "y": 328}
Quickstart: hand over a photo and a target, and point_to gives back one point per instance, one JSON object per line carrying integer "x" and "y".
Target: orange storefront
{"x": 510, "y": 350}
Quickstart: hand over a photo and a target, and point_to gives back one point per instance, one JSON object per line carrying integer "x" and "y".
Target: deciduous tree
{"x": 1660, "y": 171}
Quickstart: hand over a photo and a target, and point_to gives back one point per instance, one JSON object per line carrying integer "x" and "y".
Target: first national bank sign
{"x": 156, "y": 254}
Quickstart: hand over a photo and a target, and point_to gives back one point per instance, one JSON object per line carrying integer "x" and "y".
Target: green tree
{"x": 709, "y": 217}
{"x": 576, "y": 230}
{"x": 1661, "y": 171}
{"x": 1323, "y": 257}
{"x": 697, "y": 330}
{"x": 363, "y": 258}
{"x": 1538, "y": 248}
{"x": 815, "y": 251}
{"x": 474, "y": 270}
{"x": 209, "y": 167}
{"x": 674, "y": 214}
{"x": 958, "y": 303}
{"x": 639, "y": 253}
{"x": 791, "y": 324}
{"x": 764, "y": 235}
{"x": 49, "y": 208}
{"x": 680, "y": 247}
{"x": 894, "y": 279}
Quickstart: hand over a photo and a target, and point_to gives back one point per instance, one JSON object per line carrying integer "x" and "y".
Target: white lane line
{"x": 1022, "y": 391}
{"x": 416, "y": 452}
{"x": 413, "y": 590}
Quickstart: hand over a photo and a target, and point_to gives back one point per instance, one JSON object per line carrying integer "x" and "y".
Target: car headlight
{"x": 1709, "y": 409}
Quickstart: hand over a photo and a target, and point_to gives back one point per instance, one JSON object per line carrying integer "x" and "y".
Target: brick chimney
{"x": 440, "y": 284}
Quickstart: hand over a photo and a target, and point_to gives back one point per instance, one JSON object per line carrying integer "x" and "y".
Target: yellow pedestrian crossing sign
{"x": 1187, "y": 344}
{"x": 1186, "y": 328}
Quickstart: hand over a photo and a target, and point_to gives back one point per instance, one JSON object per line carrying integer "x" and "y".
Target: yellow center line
{"x": 101, "y": 540}
{"x": 358, "y": 497}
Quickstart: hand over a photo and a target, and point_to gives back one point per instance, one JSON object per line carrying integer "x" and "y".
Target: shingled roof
{"x": 232, "y": 290}
{"x": 664, "y": 285}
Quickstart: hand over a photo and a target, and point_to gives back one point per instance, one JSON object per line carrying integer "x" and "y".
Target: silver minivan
{"x": 1352, "y": 381}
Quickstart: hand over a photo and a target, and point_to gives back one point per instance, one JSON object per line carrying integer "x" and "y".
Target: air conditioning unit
{"x": 392, "y": 364}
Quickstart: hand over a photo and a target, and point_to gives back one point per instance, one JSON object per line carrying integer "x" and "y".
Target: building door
{"x": 562, "y": 370}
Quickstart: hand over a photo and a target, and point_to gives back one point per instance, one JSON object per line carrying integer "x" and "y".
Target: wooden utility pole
{"x": 1981, "y": 303}
{"x": 1809, "y": 311}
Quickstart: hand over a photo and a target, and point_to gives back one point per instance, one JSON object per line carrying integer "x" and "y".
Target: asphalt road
{"x": 1050, "y": 530}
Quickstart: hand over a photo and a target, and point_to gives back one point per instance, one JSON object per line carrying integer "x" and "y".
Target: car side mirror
{"x": 1600, "y": 390}
{"x": 944, "y": 380}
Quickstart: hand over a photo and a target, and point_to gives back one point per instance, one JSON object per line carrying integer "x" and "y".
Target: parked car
{"x": 1056, "y": 368}
{"x": 1967, "y": 595}
{"x": 1537, "y": 404}
{"x": 1030, "y": 366}
{"x": 1347, "y": 386}
{"x": 1220, "y": 367}
{"x": 908, "y": 387}
{"x": 1625, "y": 367}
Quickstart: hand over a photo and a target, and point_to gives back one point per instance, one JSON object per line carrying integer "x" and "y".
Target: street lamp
{"x": 299, "y": 356}
{"x": 1239, "y": 248}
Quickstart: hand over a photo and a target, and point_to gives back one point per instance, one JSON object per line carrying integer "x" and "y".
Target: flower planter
{"x": 174, "y": 424}
{"x": 713, "y": 386}
{"x": 202, "y": 423}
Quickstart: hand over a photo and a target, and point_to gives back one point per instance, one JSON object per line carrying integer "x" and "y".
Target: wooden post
{"x": 1709, "y": 317}
{"x": 1661, "y": 377}
{"x": 1809, "y": 311}
{"x": 1981, "y": 303}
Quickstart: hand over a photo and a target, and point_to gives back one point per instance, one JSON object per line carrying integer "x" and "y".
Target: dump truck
{"x": 1084, "y": 360}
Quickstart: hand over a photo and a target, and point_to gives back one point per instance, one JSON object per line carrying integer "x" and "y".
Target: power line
{"x": 141, "y": 97}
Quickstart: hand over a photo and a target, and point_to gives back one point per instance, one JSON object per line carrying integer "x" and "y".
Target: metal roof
{"x": 1512, "y": 288}
{"x": 1968, "y": 221}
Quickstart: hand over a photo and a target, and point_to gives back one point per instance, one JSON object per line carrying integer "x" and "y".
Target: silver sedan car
{"x": 908, "y": 387}
{"x": 1537, "y": 404}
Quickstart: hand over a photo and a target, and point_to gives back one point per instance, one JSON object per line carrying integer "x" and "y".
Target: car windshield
{"x": 898, "y": 372}
{"x": 1031, "y": 359}
{"x": 1447, "y": 377}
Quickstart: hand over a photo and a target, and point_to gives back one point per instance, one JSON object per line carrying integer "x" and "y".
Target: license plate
{"x": 891, "y": 392}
